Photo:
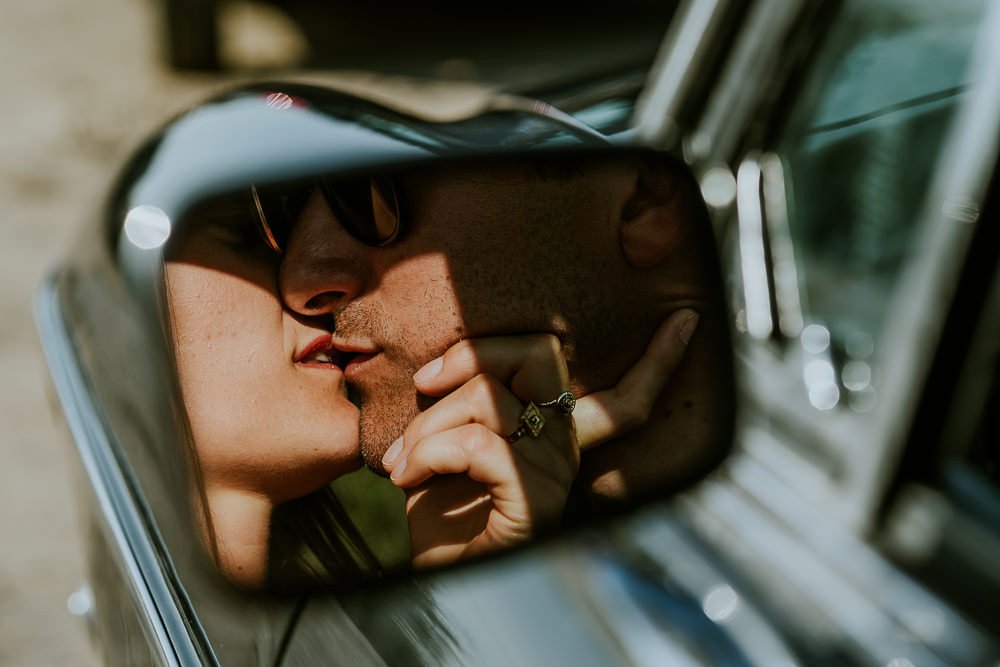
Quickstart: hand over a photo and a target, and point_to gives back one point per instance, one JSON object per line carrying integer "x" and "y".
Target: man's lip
{"x": 356, "y": 363}
{"x": 354, "y": 355}
{"x": 353, "y": 347}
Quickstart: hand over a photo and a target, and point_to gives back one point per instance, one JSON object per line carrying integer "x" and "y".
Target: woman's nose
{"x": 323, "y": 267}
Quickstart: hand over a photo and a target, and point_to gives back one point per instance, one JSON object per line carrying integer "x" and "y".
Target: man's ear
{"x": 652, "y": 219}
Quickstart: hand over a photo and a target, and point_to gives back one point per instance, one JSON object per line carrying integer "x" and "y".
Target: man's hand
{"x": 471, "y": 492}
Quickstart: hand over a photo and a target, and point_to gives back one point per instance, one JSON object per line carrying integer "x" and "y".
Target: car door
{"x": 847, "y": 151}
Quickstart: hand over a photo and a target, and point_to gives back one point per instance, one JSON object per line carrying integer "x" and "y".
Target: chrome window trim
{"x": 123, "y": 521}
{"x": 753, "y": 261}
{"x": 677, "y": 70}
{"x": 763, "y": 42}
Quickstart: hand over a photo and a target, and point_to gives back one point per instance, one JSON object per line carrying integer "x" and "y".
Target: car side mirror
{"x": 384, "y": 341}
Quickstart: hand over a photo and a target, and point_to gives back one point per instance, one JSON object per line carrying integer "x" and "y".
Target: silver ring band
{"x": 564, "y": 403}
{"x": 531, "y": 420}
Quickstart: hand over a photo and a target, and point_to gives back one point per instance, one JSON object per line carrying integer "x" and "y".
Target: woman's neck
{"x": 241, "y": 524}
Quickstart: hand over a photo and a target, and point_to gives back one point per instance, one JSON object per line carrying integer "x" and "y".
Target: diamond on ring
{"x": 533, "y": 419}
{"x": 531, "y": 423}
{"x": 564, "y": 403}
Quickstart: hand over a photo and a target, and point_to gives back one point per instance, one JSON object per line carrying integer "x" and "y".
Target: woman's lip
{"x": 322, "y": 343}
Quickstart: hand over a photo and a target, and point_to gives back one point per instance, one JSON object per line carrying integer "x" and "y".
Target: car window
{"x": 857, "y": 158}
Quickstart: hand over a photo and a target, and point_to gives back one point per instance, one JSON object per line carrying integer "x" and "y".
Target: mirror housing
{"x": 611, "y": 286}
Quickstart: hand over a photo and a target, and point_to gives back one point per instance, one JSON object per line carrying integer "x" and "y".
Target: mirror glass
{"x": 384, "y": 371}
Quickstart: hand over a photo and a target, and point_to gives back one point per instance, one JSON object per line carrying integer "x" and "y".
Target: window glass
{"x": 858, "y": 158}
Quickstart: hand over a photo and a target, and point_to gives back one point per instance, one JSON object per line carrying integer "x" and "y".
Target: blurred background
{"x": 84, "y": 83}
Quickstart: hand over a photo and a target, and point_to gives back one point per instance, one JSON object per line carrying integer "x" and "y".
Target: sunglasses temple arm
{"x": 269, "y": 238}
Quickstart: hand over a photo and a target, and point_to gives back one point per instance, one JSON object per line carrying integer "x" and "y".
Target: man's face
{"x": 488, "y": 249}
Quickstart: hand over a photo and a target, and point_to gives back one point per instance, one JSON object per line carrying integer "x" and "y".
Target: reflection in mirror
{"x": 378, "y": 372}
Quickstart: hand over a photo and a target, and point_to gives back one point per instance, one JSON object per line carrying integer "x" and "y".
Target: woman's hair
{"x": 196, "y": 483}
{"x": 314, "y": 542}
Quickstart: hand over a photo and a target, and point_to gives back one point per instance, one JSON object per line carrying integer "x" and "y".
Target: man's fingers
{"x": 482, "y": 400}
{"x": 608, "y": 414}
{"x": 489, "y": 381}
{"x": 485, "y": 457}
{"x": 532, "y": 365}
{"x": 472, "y": 449}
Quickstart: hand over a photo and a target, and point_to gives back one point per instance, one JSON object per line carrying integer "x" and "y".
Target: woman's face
{"x": 268, "y": 409}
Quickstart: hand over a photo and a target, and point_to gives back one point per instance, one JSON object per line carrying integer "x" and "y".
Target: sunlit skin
{"x": 270, "y": 420}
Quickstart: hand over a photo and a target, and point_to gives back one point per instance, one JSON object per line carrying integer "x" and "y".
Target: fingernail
{"x": 687, "y": 329}
{"x": 393, "y": 452}
{"x": 399, "y": 470}
{"x": 429, "y": 371}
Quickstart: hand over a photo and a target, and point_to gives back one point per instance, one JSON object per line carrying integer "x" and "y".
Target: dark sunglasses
{"x": 367, "y": 207}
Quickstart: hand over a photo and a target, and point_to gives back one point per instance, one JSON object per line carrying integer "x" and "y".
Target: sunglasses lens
{"x": 367, "y": 207}
{"x": 277, "y": 209}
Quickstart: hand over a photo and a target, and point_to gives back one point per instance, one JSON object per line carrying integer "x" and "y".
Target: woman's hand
{"x": 471, "y": 492}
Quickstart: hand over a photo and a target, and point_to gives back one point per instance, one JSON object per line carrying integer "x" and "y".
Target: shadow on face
{"x": 285, "y": 298}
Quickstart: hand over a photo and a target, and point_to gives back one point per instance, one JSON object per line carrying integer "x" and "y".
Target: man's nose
{"x": 323, "y": 267}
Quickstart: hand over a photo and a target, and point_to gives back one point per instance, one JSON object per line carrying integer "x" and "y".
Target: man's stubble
{"x": 390, "y": 404}
{"x": 594, "y": 326}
